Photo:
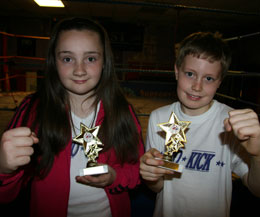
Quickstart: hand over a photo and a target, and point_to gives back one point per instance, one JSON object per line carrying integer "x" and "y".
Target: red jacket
{"x": 50, "y": 196}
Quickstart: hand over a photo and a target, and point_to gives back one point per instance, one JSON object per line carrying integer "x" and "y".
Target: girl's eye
{"x": 67, "y": 59}
{"x": 91, "y": 59}
{"x": 209, "y": 79}
{"x": 189, "y": 74}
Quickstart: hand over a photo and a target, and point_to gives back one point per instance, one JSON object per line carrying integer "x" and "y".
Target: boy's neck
{"x": 195, "y": 112}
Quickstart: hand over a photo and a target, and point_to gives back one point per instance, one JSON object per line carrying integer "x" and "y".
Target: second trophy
{"x": 174, "y": 140}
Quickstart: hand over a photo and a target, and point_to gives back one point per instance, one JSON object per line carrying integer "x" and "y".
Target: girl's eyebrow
{"x": 87, "y": 52}
{"x": 60, "y": 52}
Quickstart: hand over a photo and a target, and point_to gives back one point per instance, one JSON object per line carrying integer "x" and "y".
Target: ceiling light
{"x": 50, "y": 3}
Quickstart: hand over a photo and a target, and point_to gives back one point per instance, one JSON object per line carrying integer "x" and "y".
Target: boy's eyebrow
{"x": 188, "y": 69}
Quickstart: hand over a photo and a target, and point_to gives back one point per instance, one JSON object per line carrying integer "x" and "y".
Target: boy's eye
{"x": 189, "y": 74}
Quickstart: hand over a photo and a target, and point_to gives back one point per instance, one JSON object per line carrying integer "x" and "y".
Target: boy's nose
{"x": 197, "y": 85}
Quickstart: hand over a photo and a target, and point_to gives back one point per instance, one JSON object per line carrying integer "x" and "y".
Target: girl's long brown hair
{"x": 52, "y": 120}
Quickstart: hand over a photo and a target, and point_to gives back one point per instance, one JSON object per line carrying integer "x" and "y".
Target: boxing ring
{"x": 21, "y": 75}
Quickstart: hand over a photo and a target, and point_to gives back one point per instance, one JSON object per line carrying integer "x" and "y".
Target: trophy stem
{"x": 91, "y": 164}
{"x": 167, "y": 157}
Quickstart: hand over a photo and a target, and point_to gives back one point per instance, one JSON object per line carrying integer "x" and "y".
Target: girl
{"x": 80, "y": 86}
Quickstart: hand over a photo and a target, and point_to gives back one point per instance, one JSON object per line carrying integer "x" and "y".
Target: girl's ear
{"x": 176, "y": 72}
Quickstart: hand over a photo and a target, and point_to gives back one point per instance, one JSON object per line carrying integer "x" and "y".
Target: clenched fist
{"x": 16, "y": 148}
{"x": 245, "y": 125}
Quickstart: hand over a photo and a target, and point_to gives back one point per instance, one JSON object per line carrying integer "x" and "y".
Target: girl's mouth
{"x": 80, "y": 81}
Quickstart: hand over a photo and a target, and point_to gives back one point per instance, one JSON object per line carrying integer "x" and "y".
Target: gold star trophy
{"x": 174, "y": 140}
{"x": 92, "y": 145}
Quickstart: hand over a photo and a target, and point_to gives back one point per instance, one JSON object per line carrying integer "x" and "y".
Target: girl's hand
{"x": 16, "y": 148}
{"x": 148, "y": 166}
{"x": 99, "y": 181}
{"x": 245, "y": 125}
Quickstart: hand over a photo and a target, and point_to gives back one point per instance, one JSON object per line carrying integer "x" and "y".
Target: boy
{"x": 215, "y": 135}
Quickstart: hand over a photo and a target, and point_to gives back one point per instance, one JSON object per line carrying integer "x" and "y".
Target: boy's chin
{"x": 195, "y": 108}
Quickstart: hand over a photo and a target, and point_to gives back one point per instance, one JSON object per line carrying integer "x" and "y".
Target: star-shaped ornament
{"x": 89, "y": 140}
{"x": 173, "y": 146}
{"x": 93, "y": 152}
{"x": 175, "y": 134}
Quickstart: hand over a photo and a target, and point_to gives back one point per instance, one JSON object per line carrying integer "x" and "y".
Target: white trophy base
{"x": 94, "y": 170}
{"x": 169, "y": 165}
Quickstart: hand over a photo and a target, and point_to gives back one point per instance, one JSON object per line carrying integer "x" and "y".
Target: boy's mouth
{"x": 193, "y": 97}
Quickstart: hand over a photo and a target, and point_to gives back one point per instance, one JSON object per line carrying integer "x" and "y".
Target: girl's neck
{"x": 82, "y": 106}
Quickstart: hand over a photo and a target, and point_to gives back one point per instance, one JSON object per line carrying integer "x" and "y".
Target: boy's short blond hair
{"x": 206, "y": 45}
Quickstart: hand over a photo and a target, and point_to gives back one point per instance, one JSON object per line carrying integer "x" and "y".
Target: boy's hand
{"x": 16, "y": 148}
{"x": 148, "y": 166}
{"x": 245, "y": 125}
{"x": 99, "y": 181}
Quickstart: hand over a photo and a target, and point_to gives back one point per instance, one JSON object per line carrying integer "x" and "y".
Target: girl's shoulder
{"x": 29, "y": 100}
{"x": 25, "y": 110}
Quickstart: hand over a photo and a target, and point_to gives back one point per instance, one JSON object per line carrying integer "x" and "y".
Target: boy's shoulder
{"x": 221, "y": 107}
{"x": 163, "y": 112}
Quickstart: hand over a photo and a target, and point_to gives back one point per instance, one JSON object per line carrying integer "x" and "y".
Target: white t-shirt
{"x": 84, "y": 200}
{"x": 205, "y": 186}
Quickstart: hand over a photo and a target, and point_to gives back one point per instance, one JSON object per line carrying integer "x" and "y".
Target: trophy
{"x": 174, "y": 140}
{"x": 92, "y": 145}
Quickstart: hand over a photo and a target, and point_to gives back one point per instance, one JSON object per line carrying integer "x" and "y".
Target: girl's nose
{"x": 80, "y": 69}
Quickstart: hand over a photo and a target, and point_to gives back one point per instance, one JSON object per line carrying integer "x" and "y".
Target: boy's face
{"x": 198, "y": 80}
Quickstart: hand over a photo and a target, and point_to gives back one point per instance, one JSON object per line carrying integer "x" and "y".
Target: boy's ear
{"x": 176, "y": 72}
{"x": 220, "y": 81}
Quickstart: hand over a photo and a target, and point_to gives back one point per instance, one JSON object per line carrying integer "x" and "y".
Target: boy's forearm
{"x": 155, "y": 186}
{"x": 253, "y": 180}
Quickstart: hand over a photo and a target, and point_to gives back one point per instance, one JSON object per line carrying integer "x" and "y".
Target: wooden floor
{"x": 8, "y": 102}
{"x": 142, "y": 105}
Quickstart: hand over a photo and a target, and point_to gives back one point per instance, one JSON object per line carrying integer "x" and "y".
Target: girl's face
{"x": 198, "y": 81}
{"x": 79, "y": 61}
